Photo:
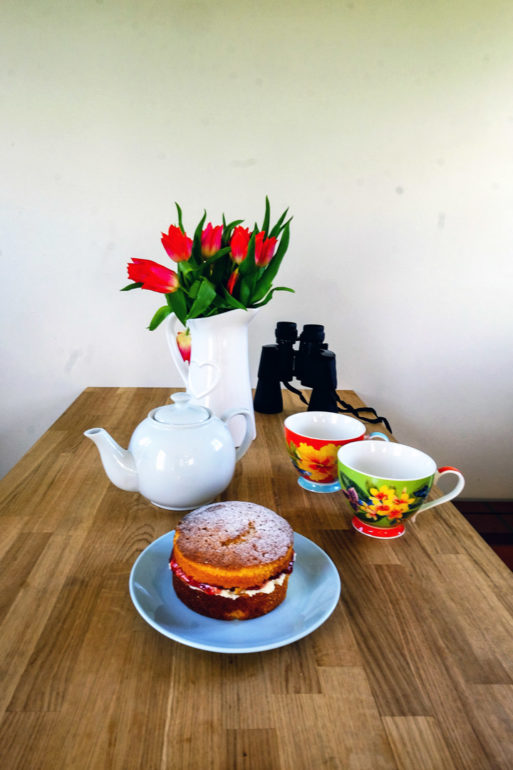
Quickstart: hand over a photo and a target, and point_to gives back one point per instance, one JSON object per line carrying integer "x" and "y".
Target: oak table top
{"x": 414, "y": 668}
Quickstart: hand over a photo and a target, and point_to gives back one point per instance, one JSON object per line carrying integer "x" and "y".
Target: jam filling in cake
{"x": 231, "y": 593}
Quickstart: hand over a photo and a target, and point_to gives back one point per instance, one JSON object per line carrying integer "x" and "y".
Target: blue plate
{"x": 313, "y": 592}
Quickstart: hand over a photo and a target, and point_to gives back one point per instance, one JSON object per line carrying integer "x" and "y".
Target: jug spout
{"x": 118, "y": 462}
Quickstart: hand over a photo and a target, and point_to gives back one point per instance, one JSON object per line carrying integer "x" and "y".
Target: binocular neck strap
{"x": 357, "y": 411}
{"x": 295, "y": 391}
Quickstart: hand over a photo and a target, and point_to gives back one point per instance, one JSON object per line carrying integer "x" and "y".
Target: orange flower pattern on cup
{"x": 315, "y": 464}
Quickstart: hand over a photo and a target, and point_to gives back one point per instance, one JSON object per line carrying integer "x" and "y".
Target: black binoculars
{"x": 313, "y": 364}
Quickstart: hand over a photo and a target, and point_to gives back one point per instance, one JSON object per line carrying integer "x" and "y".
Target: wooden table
{"x": 414, "y": 669}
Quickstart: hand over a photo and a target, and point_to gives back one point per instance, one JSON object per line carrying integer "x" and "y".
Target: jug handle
{"x": 171, "y": 329}
{"x": 213, "y": 384}
{"x": 246, "y": 441}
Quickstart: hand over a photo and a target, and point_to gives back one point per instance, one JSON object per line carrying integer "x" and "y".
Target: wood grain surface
{"x": 414, "y": 669}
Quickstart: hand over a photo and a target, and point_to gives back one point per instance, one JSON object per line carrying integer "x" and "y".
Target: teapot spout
{"x": 118, "y": 463}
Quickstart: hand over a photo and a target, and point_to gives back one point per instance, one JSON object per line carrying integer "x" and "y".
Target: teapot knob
{"x": 181, "y": 399}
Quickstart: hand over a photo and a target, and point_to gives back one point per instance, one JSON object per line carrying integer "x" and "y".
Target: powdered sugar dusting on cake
{"x": 234, "y": 533}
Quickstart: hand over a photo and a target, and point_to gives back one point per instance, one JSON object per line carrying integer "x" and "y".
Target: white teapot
{"x": 180, "y": 457}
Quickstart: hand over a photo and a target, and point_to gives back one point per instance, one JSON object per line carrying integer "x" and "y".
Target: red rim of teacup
{"x": 333, "y": 418}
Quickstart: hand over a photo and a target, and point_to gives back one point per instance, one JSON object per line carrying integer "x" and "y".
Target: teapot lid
{"x": 183, "y": 412}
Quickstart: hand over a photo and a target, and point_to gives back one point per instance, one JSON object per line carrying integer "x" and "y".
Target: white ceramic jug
{"x": 218, "y": 374}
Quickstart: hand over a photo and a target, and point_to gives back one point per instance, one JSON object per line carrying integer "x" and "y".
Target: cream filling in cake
{"x": 267, "y": 588}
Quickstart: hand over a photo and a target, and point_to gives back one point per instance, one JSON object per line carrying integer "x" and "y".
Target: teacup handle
{"x": 445, "y": 498}
{"x": 377, "y": 434}
{"x": 246, "y": 441}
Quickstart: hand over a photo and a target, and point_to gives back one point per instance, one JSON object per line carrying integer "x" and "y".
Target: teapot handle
{"x": 246, "y": 441}
{"x": 171, "y": 328}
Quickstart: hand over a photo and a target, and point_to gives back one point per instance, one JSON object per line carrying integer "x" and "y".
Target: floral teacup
{"x": 313, "y": 440}
{"x": 387, "y": 483}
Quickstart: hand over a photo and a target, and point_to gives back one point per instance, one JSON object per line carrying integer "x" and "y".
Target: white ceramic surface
{"x": 325, "y": 426}
{"x": 390, "y": 461}
{"x": 313, "y": 593}
{"x": 218, "y": 374}
{"x": 179, "y": 457}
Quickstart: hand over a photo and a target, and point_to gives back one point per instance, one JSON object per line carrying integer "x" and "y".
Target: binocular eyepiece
{"x": 312, "y": 363}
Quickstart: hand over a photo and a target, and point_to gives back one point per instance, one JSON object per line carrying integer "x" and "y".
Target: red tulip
{"x": 232, "y": 280}
{"x": 211, "y": 240}
{"x": 183, "y": 340}
{"x": 153, "y": 276}
{"x": 239, "y": 244}
{"x": 177, "y": 245}
{"x": 264, "y": 249}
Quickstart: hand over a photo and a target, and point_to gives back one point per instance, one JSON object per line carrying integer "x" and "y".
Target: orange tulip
{"x": 232, "y": 280}
{"x": 264, "y": 249}
{"x": 239, "y": 244}
{"x": 153, "y": 276}
{"x": 183, "y": 340}
{"x": 211, "y": 240}
{"x": 177, "y": 245}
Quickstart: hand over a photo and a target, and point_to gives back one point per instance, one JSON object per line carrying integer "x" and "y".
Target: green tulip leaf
{"x": 221, "y": 271}
{"x": 204, "y": 299}
{"x": 199, "y": 228}
{"x": 268, "y": 297}
{"x": 186, "y": 274}
{"x": 244, "y": 291}
{"x": 265, "y": 281}
{"x": 261, "y": 289}
{"x": 231, "y": 225}
{"x": 218, "y": 305}
{"x": 180, "y": 221}
{"x": 248, "y": 265}
{"x": 279, "y": 226}
{"x": 193, "y": 291}
{"x": 178, "y": 304}
{"x": 131, "y": 286}
{"x": 196, "y": 241}
{"x": 221, "y": 253}
{"x": 159, "y": 316}
{"x": 267, "y": 216}
{"x": 231, "y": 301}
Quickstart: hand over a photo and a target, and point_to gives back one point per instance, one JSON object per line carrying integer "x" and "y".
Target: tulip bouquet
{"x": 220, "y": 268}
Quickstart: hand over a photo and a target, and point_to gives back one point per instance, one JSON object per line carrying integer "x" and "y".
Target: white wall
{"x": 387, "y": 128}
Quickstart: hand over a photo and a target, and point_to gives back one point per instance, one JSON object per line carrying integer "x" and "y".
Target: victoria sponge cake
{"x": 232, "y": 560}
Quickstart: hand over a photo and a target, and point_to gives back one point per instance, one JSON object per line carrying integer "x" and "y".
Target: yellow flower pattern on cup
{"x": 318, "y": 465}
{"x": 385, "y": 501}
